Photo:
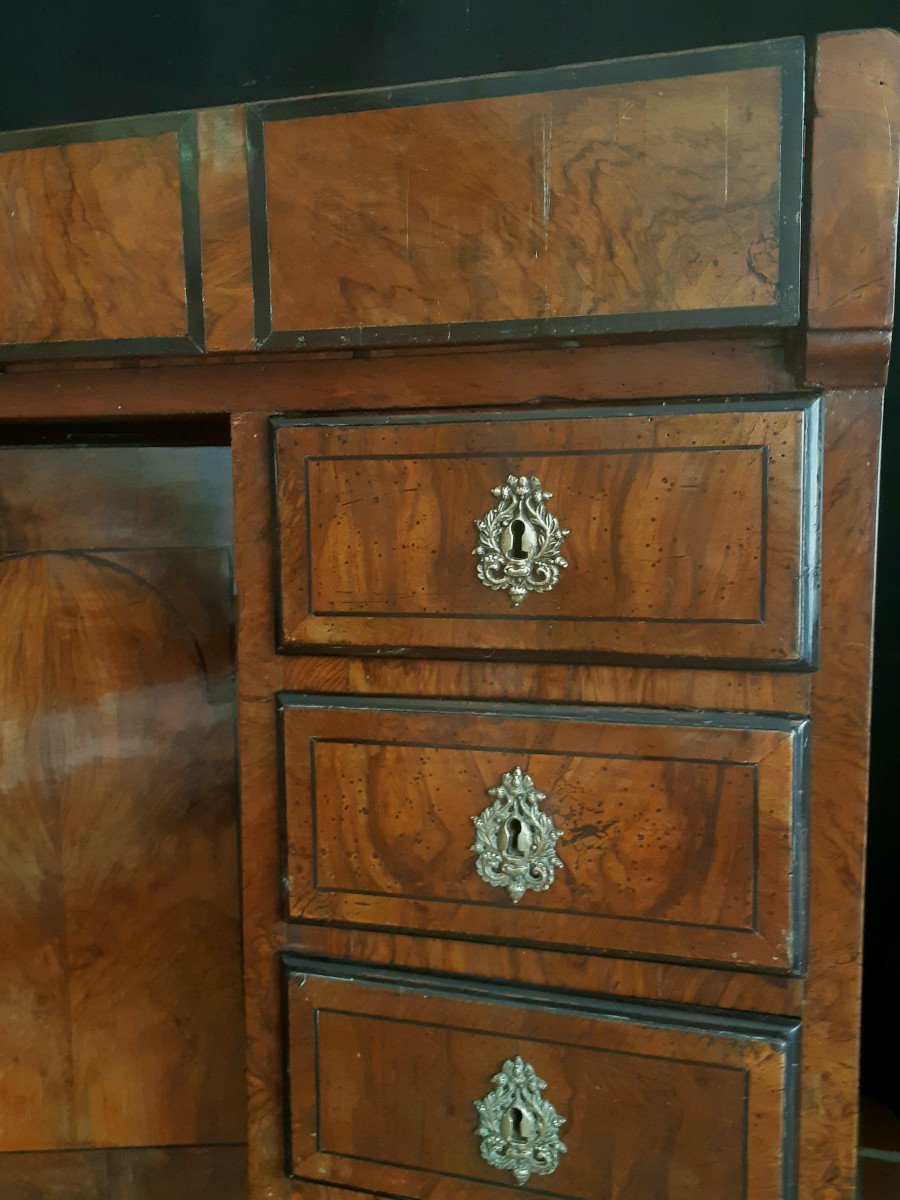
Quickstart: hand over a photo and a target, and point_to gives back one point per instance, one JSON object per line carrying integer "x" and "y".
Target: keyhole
{"x": 519, "y": 839}
{"x": 516, "y": 1133}
{"x": 518, "y": 541}
{"x": 517, "y": 1125}
{"x": 515, "y": 838}
{"x": 517, "y": 529}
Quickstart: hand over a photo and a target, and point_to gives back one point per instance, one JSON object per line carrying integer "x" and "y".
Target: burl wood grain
{"x": 677, "y": 839}
{"x": 689, "y": 538}
{"x": 265, "y": 932}
{"x": 263, "y": 672}
{"x": 396, "y": 1074}
{"x": 646, "y": 197}
{"x": 121, "y": 1002}
{"x": 91, "y": 243}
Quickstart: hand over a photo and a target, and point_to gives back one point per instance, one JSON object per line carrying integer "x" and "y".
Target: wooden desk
{"x": 555, "y": 407}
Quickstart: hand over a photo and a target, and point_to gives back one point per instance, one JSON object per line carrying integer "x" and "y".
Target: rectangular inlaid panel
{"x": 677, "y": 833}
{"x": 99, "y": 240}
{"x": 384, "y": 1073}
{"x": 686, "y": 532}
{"x": 651, "y": 193}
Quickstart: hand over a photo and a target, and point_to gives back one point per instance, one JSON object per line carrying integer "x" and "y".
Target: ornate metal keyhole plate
{"x": 519, "y": 541}
{"x": 519, "y": 1129}
{"x": 515, "y": 841}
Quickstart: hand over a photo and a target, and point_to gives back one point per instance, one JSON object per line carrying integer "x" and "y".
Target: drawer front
{"x": 384, "y": 1075}
{"x": 670, "y": 835}
{"x": 676, "y": 532}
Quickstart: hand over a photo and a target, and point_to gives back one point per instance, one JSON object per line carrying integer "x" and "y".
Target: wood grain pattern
{"x": 198, "y": 1172}
{"x": 120, "y": 1021}
{"x": 263, "y": 941}
{"x": 636, "y": 202}
{"x": 839, "y": 774}
{"x": 827, "y": 1115}
{"x": 78, "y": 1175}
{"x": 316, "y": 1191}
{"x": 170, "y": 1173}
{"x": 91, "y": 241}
{"x": 435, "y": 380}
{"x": 847, "y": 358}
{"x": 259, "y": 826}
{"x": 134, "y": 497}
{"x": 580, "y": 684}
{"x": 690, "y": 533}
{"x": 153, "y": 620}
{"x": 855, "y": 180}
{"x": 37, "y": 1077}
{"x": 677, "y": 834}
{"x": 265, "y": 933}
{"x": 227, "y": 284}
{"x": 397, "y": 1073}
{"x": 590, "y": 975}
{"x": 653, "y": 196}
{"x": 263, "y": 672}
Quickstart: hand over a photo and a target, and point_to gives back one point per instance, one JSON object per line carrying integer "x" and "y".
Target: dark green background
{"x": 64, "y": 61}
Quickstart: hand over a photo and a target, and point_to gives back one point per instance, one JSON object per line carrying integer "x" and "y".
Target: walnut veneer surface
{"x": 690, "y": 697}
{"x": 679, "y": 829}
{"x": 689, "y": 532}
{"x": 120, "y": 1015}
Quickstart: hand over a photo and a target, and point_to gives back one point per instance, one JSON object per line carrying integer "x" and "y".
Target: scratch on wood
{"x": 546, "y": 156}
{"x": 727, "y": 114}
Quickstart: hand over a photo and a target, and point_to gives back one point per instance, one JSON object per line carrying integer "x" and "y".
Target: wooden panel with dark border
{"x": 693, "y": 533}
{"x": 384, "y": 1070}
{"x": 100, "y": 240}
{"x": 554, "y": 203}
{"x": 681, "y": 833}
